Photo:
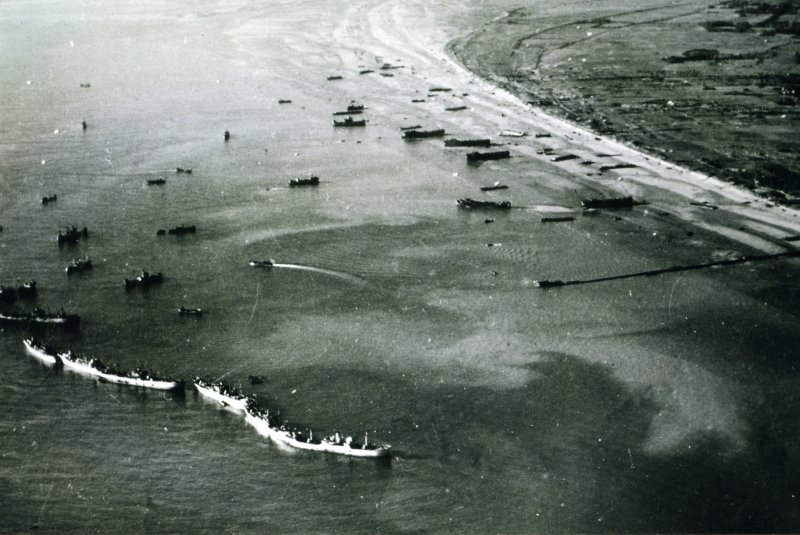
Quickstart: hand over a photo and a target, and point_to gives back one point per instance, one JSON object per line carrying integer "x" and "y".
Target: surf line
{"x": 654, "y": 272}
{"x": 338, "y": 274}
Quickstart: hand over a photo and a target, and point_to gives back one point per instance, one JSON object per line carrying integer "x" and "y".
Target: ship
{"x": 9, "y": 294}
{"x": 222, "y": 393}
{"x": 180, "y": 170}
{"x": 183, "y": 311}
{"x": 269, "y": 426}
{"x": 455, "y": 108}
{"x": 467, "y": 142}
{"x": 618, "y": 202}
{"x": 548, "y": 284}
{"x": 355, "y": 107}
{"x": 40, "y": 351}
{"x": 137, "y": 377}
{"x": 71, "y": 235}
{"x": 513, "y": 133}
{"x": 41, "y": 317}
{"x": 78, "y": 265}
{"x": 494, "y": 187}
{"x": 183, "y": 229}
{"x": 305, "y": 181}
{"x": 420, "y": 134}
{"x": 49, "y": 198}
{"x": 144, "y": 280}
{"x": 262, "y": 263}
{"x": 471, "y": 203}
{"x": 483, "y": 156}
{"x": 350, "y": 112}
{"x": 350, "y": 122}
{"x": 156, "y": 181}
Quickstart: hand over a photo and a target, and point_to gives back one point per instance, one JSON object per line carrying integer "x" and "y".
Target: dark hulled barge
{"x": 472, "y": 203}
{"x": 484, "y": 156}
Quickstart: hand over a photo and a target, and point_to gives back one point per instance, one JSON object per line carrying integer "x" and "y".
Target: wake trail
{"x": 338, "y": 274}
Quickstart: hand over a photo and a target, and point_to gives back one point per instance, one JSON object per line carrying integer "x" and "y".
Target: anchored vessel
{"x": 37, "y": 349}
{"x": 9, "y": 294}
{"x": 42, "y": 317}
{"x": 467, "y": 142}
{"x": 269, "y": 426}
{"x": 144, "y": 280}
{"x": 262, "y": 263}
{"x": 471, "y": 203}
{"x": 137, "y": 377}
{"x": 183, "y": 311}
{"x": 183, "y": 229}
{"x": 493, "y": 187}
{"x": 221, "y": 392}
{"x": 78, "y": 265}
{"x": 72, "y": 235}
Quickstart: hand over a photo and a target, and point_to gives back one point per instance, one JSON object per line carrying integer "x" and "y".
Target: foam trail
{"x": 338, "y": 274}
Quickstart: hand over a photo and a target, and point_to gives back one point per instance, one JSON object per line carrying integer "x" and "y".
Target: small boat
{"x": 262, "y": 263}
{"x": 227, "y": 135}
{"x": 268, "y": 426}
{"x": 355, "y": 107}
{"x": 351, "y": 112}
{"x": 180, "y": 230}
{"x": 334, "y": 77}
{"x": 484, "y": 156}
{"x": 72, "y": 235}
{"x": 493, "y": 187}
{"x": 543, "y": 134}
{"x": 350, "y": 122}
{"x": 412, "y": 127}
{"x": 305, "y": 181}
{"x": 455, "y": 108}
{"x": 471, "y": 203}
{"x": 560, "y": 219}
{"x": 439, "y": 90}
{"x": 156, "y": 181}
{"x": 420, "y": 134}
{"x": 467, "y": 142}
{"x": 547, "y": 284}
{"x": 564, "y": 158}
{"x": 619, "y": 202}
{"x": 144, "y": 280}
{"x": 256, "y": 379}
{"x": 222, "y": 393}
{"x": 86, "y": 86}
{"x": 284, "y": 101}
{"x": 137, "y": 377}
{"x": 42, "y": 317}
{"x": 513, "y": 133}
{"x": 365, "y": 71}
{"x": 37, "y": 349}
{"x": 49, "y": 198}
{"x": 183, "y": 311}
{"x": 180, "y": 170}
{"x": 417, "y": 100}
{"x": 79, "y": 265}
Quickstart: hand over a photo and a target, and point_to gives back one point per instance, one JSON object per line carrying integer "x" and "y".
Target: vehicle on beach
{"x": 618, "y": 202}
{"x": 222, "y": 393}
{"x": 144, "y": 280}
{"x": 471, "y": 203}
{"x": 304, "y": 181}
{"x": 467, "y": 142}
{"x": 269, "y": 426}
{"x": 40, "y": 351}
{"x": 513, "y": 133}
{"x": 41, "y": 317}
{"x": 350, "y": 122}
{"x": 72, "y": 235}
{"x": 96, "y": 368}
{"x": 262, "y": 263}
{"x": 494, "y": 187}
{"x": 420, "y": 134}
{"x": 183, "y": 311}
{"x": 484, "y": 156}
{"x": 79, "y": 265}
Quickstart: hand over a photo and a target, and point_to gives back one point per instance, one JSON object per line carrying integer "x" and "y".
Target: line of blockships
{"x": 266, "y": 423}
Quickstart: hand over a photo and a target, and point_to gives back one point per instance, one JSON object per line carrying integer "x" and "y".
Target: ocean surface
{"x": 664, "y": 404}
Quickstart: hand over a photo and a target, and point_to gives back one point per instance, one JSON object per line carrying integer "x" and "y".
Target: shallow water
{"x": 662, "y": 404}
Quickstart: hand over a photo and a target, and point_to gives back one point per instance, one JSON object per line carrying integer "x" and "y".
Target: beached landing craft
{"x": 619, "y": 202}
{"x": 467, "y": 142}
{"x": 268, "y": 426}
{"x": 306, "y": 181}
{"x": 350, "y": 122}
{"x": 472, "y": 203}
{"x": 222, "y": 393}
{"x": 138, "y": 377}
{"x": 40, "y": 351}
{"x": 484, "y": 156}
{"x": 421, "y": 134}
